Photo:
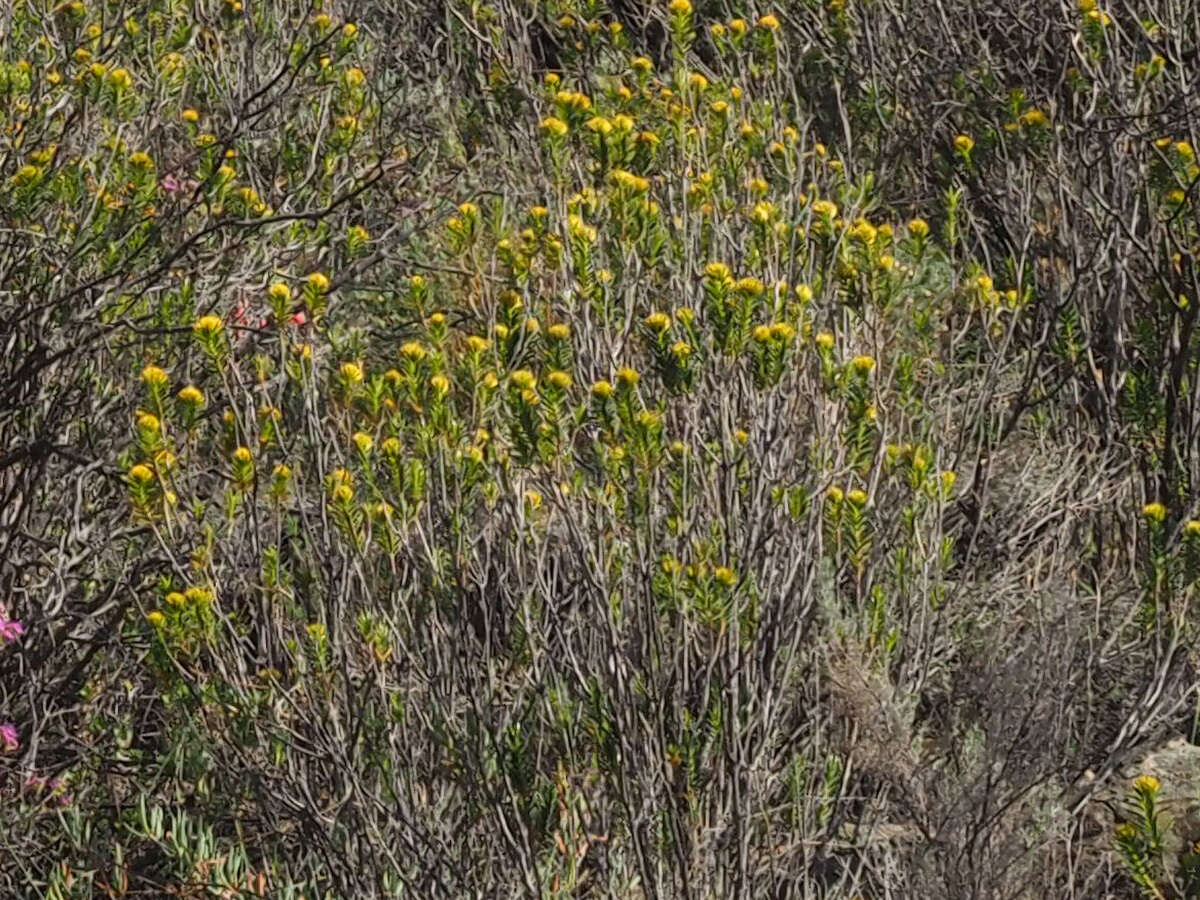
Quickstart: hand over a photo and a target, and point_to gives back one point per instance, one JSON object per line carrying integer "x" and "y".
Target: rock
{"x": 1176, "y": 765}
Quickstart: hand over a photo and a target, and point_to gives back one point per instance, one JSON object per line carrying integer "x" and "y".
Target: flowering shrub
{"x": 495, "y": 449}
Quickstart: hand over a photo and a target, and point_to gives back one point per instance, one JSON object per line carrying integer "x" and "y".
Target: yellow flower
{"x": 351, "y": 372}
{"x": 190, "y": 395}
{"x": 964, "y": 143}
{"x": 279, "y": 292}
{"x": 627, "y": 376}
{"x": 918, "y": 228}
{"x": 243, "y": 455}
{"x": 1192, "y": 528}
{"x": 440, "y": 383}
{"x": 349, "y": 30}
{"x": 782, "y": 332}
{"x": 198, "y": 596}
{"x": 176, "y": 600}
{"x": 602, "y": 389}
{"x": 560, "y": 331}
{"x": 559, "y": 379}
{"x": 717, "y": 271}
{"x": 147, "y": 421}
{"x": 156, "y": 619}
{"x": 864, "y": 231}
{"x": 1034, "y": 118}
{"x": 763, "y": 212}
{"x": 827, "y": 209}
{"x": 761, "y": 333}
{"x": 412, "y": 351}
{"x": 154, "y": 376}
{"x": 750, "y": 286}
{"x": 725, "y": 575}
{"x": 281, "y": 472}
{"x": 319, "y": 281}
{"x": 857, "y": 497}
{"x": 554, "y": 126}
{"x": 343, "y": 494}
{"x": 641, "y": 64}
{"x": 141, "y": 160}
{"x": 681, "y": 349}
{"x": 769, "y": 22}
{"x": 477, "y": 344}
{"x": 1146, "y": 784}
{"x": 680, "y": 7}
{"x": 658, "y": 321}
{"x": 864, "y": 364}
{"x": 523, "y": 379}
{"x": 208, "y": 325}
{"x": 738, "y": 26}
{"x": 141, "y": 474}
{"x": 598, "y": 124}
{"x": 362, "y": 442}
{"x": 824, "y": 340}
{"x": 835, "y": 495}
{"x": 1155, "y": 512}
{"x": 533, "y": 499}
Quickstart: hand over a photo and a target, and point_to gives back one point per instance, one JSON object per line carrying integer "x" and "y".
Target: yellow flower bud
{"x": 141, "y": 474}
{"x": 208, "y": 326}
{"x": 154, "y": 376}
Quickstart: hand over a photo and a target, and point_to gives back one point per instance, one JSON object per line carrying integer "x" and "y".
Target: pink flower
{"x": 171, "y": 184}
{"x": 10, "y": 629}
{"x": 9, "y": 736}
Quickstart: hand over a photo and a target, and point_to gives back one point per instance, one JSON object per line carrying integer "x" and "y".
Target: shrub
{"x": 505, "y": 449}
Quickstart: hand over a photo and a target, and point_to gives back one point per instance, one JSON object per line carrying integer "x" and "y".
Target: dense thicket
{"x": 558, "y": 449}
